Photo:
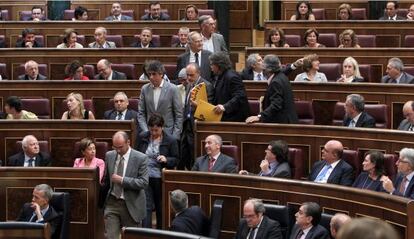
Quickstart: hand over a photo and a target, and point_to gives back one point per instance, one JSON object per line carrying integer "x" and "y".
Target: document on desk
{"x": 205, "y": 112}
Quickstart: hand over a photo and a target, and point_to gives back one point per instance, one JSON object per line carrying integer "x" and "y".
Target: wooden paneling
{"x": 16, "y": 6}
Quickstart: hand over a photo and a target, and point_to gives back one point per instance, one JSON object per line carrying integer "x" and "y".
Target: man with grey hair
{"x": 40, "y": 211}
{"x": 408, "y": 111}
{"x": 31, "y": 69}
{"x": 253, "y": 69}
{"x": 212, "y": 41}
{"x": 30, "y": 156}
{"x": 278, "y": 104}
{"x": 214, "y": 160}
{"x": 404, "y": 182}
{"x": 182, "y": 37}
{"x": 355, "y": 116}
{"x": 120, "y": 110}
{"x": 337, "y": 221}
{"x": 255, "y": 224}
{"x": 396, "y": 74}
{"x": 100, "y": 39}
{"x": 187, "y": 219}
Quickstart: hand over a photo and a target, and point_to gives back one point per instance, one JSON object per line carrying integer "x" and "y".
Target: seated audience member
{"x": 404, "y": 182}
{"x": 355, "y": 116}
{"x": 350, "y": 71}
{"x": 69, "y": 39}
{"x": 81, "y": 14}
{"x": 367, "y": 228}
{"x": 116, "y": 12}
{"x": 155, "y": 12}
{"x": 187, "y": 219}
{"x": 105, "y": 71}
{"x": 183, "y": 37}
{"x": 371, "y": 178}
{"x": 212, "y": 41}
{"x": 332, "y": 169}
{"x": 408, "y": 111}
{"x": 310, "y": 67}
{"x": 391, "y": 10}
{"x": 76, "y": 109}
{"x": 31, "y": 69}
{"x": 75, "y": 71}
{"x": 278, "y": 104}
{"x": 145, "y": 39}
{"x": 396, "y": 74}
{"x": 162, "y": 151}
{"x": 303, "y": 12}
{"x": 276, "y": 38}
{"x": 337, "y": 222}
{"x": 88, "y": 149}
{"x": 255, "y": 224}
{"x": 344, "y": 12}
{"x": 348, "y": 39}
{"x": 253, "y": 69}
{"x": 40, "y": 211}
{"x": 214, "y": 160}
{"x": 275, "y": 164}
{"x": 13, "y": 109}
{"x": 38, "y": 14}
{"x": 311, "y": 39}
{"x": 120, "y": 110}
{"x": 410, "y": 15}
{"x": 100, "y": 39}
{"x": 30, "y": 156}
{"x": 191, "y": 13}
{"x": 28, "y": 39}
{"x": 307, "y": 223}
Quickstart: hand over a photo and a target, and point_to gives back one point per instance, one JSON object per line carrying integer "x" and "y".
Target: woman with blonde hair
{"x": 350, "y": 71}
{"x": 344, "y": 12}
{"x": 348, "y": 39}
{"x": 76, "y": 109}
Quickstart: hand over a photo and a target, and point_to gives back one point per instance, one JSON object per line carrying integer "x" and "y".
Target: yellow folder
{"x": 204, "y": 112}
{"x": 199, "y": 92}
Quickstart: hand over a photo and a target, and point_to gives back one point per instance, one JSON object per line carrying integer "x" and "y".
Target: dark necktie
{"x": 252, "y": 231}
{"x": 117, "y": 190}
{"x": 211, "y": 164}
{"x": 299, "y": 234}
{"x": 196, "y": 58}
{"x": 31, "y": 162}
{"x": 411, "y": 128}
{"x": 259, "y": 77}
{"x": 119, "y": 116}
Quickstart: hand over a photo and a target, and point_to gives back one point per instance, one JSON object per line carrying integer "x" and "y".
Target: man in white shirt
{"x": 212, "y": 41}
{"x": 391, "y": 12}
{"x": 116, "y": 12}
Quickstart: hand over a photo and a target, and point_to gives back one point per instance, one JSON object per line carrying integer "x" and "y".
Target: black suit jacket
{"x": 409, "y": 192}
{"x": 404, "y": 125}
{"x": 269, "y": 229}
{"x": 229, "y": 91}
{"x": 247, "y": 74}
{"x": 116, "y": 75}
{"x": 22, "y": 44}
{"x": 342, "y": 174}
{"x": 316, "y": 232}
{"x": 192, "y": 220}
{"x": 365, "y": 121}
{"x": 51, "y": 217}
{"x": 184, "y": 59}
{"x": 163, "y": 17}
{"x": 386, "y": 18}
{"x": 42, "y": 160}
{"x": 278, "y": 103}
{"x": 223, "y": 164}
{"x": 138, "y": 44}
{"x": 111, "y": 114}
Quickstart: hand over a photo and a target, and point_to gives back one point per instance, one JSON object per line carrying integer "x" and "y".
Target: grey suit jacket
{"x": 109, "y": 44}
{"x": 39, "y": 77}
{"x": 224, "y": 164}
{"x": 123, "y": 18}
{"x": 404, "y": 125}
{"x": 281, "y": 171}
{"x": 184, "y": 59}
{"x": 170, "y": 107}
{"x": 405, "y": 79}
{"x": 219, "y": 43}
{"x": 116, "y": 75}
{"x": 134, "y": 182}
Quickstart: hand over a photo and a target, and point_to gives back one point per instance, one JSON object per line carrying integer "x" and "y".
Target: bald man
{"x": 332, "y": 169}
{"x": 408, "y": 123}
{"x": 337, "y": 221}
{"x": 100, "y": 39}
{"x": 106, "y": 73}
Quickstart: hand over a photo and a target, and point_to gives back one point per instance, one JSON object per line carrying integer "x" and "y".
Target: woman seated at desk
{"x": 350, "y": 71}
{"x": 276, "y": 38}
{"x": 88, "y": 149}
{"x": 76, "y": 109}
{"x": 311, "y": 67}
{"x": 373, "y": 167}
{"x": 303, "y": 12}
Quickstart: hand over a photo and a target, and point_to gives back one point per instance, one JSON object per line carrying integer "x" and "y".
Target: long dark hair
{"x": 298, "y": 16}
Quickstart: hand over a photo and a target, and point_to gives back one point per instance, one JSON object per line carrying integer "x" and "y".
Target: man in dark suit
{"x": 355, "y": 116}
{"x": 275, "y": 163}
{"x": 182, "y": 37}
{"x": 28, "y": 39}
{"x": 187, "y": 219}
{"x": 106, "y": 72}
{"x": 145, "y": 39}
{"x": 120, "y": 111}
{"x": 404, "y": 182}
{"x": 31, "y": 69}
{"x": 408, "y": 123}
{"x": 307, "y": 223}
{"x": 126, "y": 177}
{"x": 230, "y": 97}
{"x": 212, "y": 41}
{"x": 278, "y": 104}
{"x": 391, "y": 10}
{"x": 31, "y": 155}
{"x": 396, "y": 74}
{"x": 155, "y": 13}
{"x": 38, "y": 14}
{"x": 214, "y": 160}
{"x": 40, "y": 211}
{"x": 332, "y": 169}
{"x": 196, "y": 54}
{"x": 253, "y": 69}
{"x": 256, "y": 225}
{"x": 116, "y": 12}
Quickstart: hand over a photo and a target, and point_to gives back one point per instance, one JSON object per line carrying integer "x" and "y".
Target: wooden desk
{"x": 16, "y": 187}
{"x": 234, "y": 189}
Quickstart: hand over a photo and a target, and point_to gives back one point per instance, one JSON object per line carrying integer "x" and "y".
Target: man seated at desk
{"x": 31, "y": 155}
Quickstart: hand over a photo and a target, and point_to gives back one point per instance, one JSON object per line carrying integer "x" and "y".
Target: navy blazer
{"x": 364, "y": 121}
{"x": 116, "y": 75}
{"x": 22, "y": 44}
{"x": 42, "y": 160}
{"x": 191, "y": 220}
{"x": 138, "y": 44}
{"x": 111, "y": 114}
{"x": 224, "y": 164}
{"x": 342, "y": 174}
{"x": 409, "y": 192}
{"x": 316, "y": 232}
{"x": 365, "y": 182}
{"x": 269, "y": 229}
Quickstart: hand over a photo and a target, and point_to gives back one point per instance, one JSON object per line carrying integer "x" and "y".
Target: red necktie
{"x": 211, "y": 163}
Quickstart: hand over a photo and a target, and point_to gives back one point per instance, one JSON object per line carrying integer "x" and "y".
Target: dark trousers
{"x": 153, "y": 195}
{"x": 187, "y": 146}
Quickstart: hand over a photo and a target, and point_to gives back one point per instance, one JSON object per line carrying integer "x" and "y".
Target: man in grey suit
{"x": 162, "y": 97}
{"x": 106, "y": 73}
{"x": 126, "y": 177}
{"x": 31, "y": 69}
{"x": 408, "y": 123}
{"x": 275, "y": 164}
{"x": 100, "y": 39}
{"x": 213, "y": 41}
{"x": 195, "y": 54}
{"x": 214, "y": 160}
{"x": 396, "y": 74}
{"x": 116, "y": 12}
